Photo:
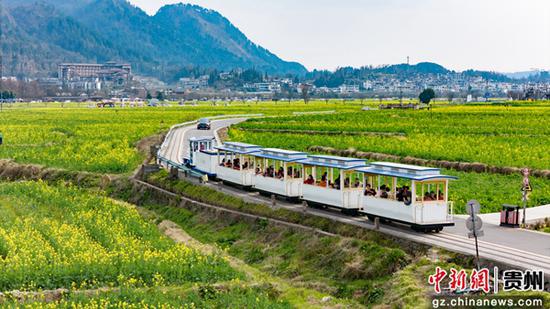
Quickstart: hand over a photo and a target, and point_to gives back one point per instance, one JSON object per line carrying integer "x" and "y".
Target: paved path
{"x": 516, "y": 247}
{"x": 534, "y": 214}
{"x": 177, "y": 143}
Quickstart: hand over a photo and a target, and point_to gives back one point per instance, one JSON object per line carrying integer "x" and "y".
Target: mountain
{"x": 401, "y": 71}
{"x": 36, "y": 36}
{"x": 62, "y": 5}
{"x": 419, "y": 68}
{"x": 524, "y": 74}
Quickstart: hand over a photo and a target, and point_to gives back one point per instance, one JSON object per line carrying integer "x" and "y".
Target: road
{"x": 519, "y": 248}
{"x": 177, "y": 142}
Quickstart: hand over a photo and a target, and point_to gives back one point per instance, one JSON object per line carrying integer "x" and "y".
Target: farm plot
{"x": 56, "y": 237}
{"x": 104, "y": 140}
{"x": 501, "y": 136}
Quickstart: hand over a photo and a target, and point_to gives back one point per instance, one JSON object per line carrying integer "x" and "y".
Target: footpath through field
{"x": 515, "y": 247}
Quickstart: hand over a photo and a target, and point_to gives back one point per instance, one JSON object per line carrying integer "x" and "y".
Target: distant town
{"x": 116, "y": 81}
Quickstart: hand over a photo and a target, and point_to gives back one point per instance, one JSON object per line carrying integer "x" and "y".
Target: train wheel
{"x": 371, "y": 218}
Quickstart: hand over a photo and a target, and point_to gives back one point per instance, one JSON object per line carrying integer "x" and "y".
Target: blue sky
{"x": 499, "y": 35}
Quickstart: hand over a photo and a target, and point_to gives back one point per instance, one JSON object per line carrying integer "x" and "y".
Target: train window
{"x": 431, "y": 191}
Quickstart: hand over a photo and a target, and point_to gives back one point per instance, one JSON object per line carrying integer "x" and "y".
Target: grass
{"x": 198, "y": 296}
{"x": 344, "y": 268}
{"x": 541, "y": 226}
{"x": 493, "y": 190}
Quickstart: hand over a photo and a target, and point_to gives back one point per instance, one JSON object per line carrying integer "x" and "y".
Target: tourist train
{"x": 413, "y": 195}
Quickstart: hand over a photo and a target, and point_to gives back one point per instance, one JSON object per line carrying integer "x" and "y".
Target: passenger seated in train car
{"x": 309, "y": 180}
{"x": 223, "y": 162}
{"x": 357, "y": 183}
{"x": 336, "y": 184}
{"x": 427, "y": 196}
{"x": 406, "y": 195}
{"x": 281, "y": 172}
{"x": 346, "y": 183}
{"x": 384, "y": 190}
{"x": 258, "y": 171}
{"x": 430, "y": 196}
{"x": 245, "y": 166}
{"x": 323, "y": 182}
{"x": 228, "y": 163}
{"x": 289, "y": 171}
{"x": 441, "y": 197}
{"x": 399, "y": 196}
{"x": 369, "y": 191}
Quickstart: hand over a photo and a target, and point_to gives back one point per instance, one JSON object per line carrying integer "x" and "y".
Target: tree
{"x": 305, "y": 92}
{"x": 288, "y": 91}
{"x": 148, "y": 96}
{"x": 450, "y": 96}
{"x": 427, "y": 96}
{"x": 160, "y": 96}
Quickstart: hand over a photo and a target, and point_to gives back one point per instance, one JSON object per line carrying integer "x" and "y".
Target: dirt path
{"x": 299, "y": 297}
{"x": 178, "y": 235}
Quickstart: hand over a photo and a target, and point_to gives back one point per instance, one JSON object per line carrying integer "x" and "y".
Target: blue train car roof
{"x": 413, "y": 172}
{"x": 281, "y": 154}
{"x": 335, "y": 162}
{"x": 240, "y": 148}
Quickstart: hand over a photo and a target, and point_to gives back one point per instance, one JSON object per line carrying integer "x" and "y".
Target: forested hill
{"x": 36, "y": 36}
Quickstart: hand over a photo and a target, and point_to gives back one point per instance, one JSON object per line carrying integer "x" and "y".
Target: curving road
{"x": 519, "y": 248}
{"x": 177, "y": 142}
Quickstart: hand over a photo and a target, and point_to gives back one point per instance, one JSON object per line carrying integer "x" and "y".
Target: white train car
{"x": 408, "y": 194}
{"x": 235, "y": 163}
{"x": 279, "y": 172}
{"x": 333, "y": 181}
{"x": 202, "y": 157}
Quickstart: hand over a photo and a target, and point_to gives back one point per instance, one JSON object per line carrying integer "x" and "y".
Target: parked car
{"x": 204, "y": 124}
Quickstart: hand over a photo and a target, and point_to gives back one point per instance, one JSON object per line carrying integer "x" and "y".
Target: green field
{"x": 54, "y": 237}
{"x": 501, "y": 136}
{"x": 104, "y": 140}
{"x": 495, "y": 135}
{"x": 60, "y": 236}
{"x": 107, "y": 254}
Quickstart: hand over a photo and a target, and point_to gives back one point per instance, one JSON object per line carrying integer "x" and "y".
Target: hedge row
{"x": 459, "y": 166}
